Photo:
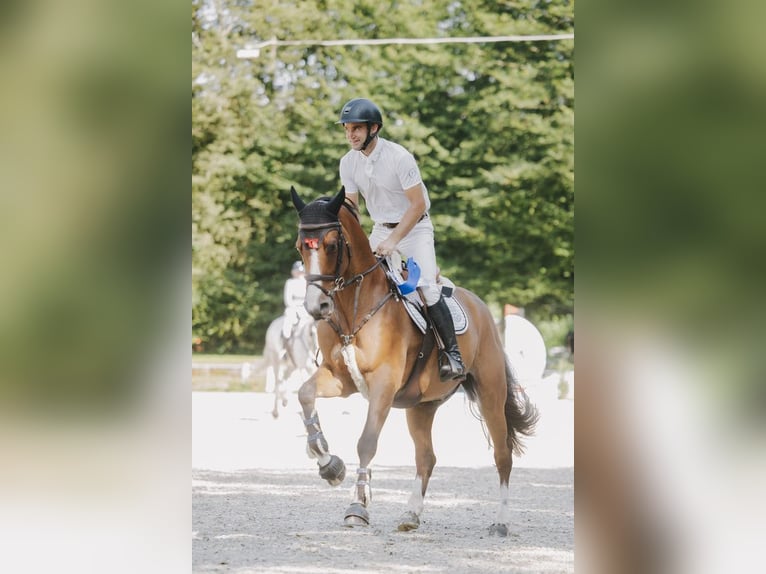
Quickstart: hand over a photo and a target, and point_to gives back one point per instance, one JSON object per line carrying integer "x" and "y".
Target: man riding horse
{"x": 370, "y": 344}
{"x": 387, "y": 176}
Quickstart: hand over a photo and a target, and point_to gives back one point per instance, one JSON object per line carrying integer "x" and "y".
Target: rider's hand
{"x": 385, "y": 248}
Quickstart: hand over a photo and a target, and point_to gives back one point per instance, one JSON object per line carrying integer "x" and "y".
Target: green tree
{"x": 491, "y": 125}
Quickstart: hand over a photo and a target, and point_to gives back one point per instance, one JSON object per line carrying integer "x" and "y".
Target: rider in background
{"x": 388, "y": 178}
{"x": 294, "y": 295}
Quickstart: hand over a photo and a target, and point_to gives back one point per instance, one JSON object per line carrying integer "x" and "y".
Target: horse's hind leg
{"x": 492, "y": 389}
{"x": 420, "y": 421}
{"x": 331, "y": 467}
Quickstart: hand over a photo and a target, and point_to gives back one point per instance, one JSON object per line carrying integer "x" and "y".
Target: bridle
{"x": 312, "y": 240}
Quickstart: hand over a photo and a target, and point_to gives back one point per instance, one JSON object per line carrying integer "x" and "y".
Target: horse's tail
{"x": 521, "y": 415}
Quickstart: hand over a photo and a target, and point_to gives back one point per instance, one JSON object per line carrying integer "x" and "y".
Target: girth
{"x": 409, "y": 395}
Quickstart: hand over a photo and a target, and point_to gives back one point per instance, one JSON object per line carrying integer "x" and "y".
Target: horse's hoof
{"x": 356, "y": 515}
{"x": 408, "y": 521}
{"x": 275, "y": 413}
{"x": 351, "y": 521}
{"x": 334, "y": 471}
{"x": 499, "y": 529}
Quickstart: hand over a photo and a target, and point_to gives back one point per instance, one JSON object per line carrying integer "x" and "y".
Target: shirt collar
{"x": 373, "y": 157}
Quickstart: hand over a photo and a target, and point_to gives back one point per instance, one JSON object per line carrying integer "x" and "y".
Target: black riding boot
{"x": 451, "y": 366}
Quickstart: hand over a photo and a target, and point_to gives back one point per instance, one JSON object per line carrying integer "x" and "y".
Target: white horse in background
{"x": 289, "y": 362}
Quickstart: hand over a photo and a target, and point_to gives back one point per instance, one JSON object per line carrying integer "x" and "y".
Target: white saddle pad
{"x": 459, "y": 318}
{"x": 414, "y": 305}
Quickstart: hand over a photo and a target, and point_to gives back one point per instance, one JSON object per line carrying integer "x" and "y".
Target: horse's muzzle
{"x": 322, "y": 310}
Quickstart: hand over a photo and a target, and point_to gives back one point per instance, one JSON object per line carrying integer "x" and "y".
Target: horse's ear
{"x": 297, "y": 201}
{"x": 335, "y": 203}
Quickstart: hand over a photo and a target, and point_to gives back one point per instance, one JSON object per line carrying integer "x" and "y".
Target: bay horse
{"x": 289, "y": 361}
{"x": 370, "y": 345}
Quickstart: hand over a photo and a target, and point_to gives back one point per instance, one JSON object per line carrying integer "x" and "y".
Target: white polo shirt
{"x": 382, "y": 178}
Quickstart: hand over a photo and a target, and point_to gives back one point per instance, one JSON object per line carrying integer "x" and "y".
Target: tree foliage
{"x": 491, "y": 125}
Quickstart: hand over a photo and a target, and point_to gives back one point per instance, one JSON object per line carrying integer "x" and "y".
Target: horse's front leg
{"x": 380, "y": 402}
{"x": 324, "y": 384}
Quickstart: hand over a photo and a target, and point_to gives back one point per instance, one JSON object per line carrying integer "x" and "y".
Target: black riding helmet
{"x": 363, "y": 111}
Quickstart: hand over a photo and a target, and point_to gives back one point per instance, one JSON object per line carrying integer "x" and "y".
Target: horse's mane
{"x": 348, "y": 204}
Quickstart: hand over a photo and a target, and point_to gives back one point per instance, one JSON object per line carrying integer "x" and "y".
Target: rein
{"x": 347, "y": 338}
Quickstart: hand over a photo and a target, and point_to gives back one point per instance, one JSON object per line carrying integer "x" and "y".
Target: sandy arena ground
{"x": 259, "y": 505}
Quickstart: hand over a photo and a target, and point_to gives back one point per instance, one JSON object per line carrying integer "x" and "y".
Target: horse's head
{"x": 323, "y": 248}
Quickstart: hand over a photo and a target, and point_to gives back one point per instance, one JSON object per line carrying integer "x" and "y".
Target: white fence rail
{"x": 245, "y": 369}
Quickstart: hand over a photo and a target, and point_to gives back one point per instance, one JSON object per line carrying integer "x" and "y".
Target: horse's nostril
{"x": 325, "y": 308}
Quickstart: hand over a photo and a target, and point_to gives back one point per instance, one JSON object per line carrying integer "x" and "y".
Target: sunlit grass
{"x": 215, "y": 378}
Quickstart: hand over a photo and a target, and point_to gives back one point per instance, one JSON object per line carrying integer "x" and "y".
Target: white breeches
{"x": 418, "y": 244}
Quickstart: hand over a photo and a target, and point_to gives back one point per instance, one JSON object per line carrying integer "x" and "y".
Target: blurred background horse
{"x": 289, "y": 362}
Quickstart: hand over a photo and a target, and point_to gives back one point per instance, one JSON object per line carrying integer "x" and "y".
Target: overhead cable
{"x": 254, "y": 51}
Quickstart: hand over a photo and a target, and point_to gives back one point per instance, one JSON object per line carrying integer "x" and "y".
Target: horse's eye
{"x": 331, "y": 247}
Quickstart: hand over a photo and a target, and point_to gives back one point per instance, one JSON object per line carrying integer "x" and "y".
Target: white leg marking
{"x": 415, "y": 503}
{"x": 504, "y": 512}
{"x": 324, "y": 459}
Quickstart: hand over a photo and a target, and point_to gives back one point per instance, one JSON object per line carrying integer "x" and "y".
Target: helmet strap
{"x": 370, "y": 136}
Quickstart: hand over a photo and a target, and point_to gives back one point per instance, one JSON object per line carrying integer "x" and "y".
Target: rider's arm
{"x": 347, "y": 181}
{"x": 414, "y": 212}
{"x": 409, "y": 177}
